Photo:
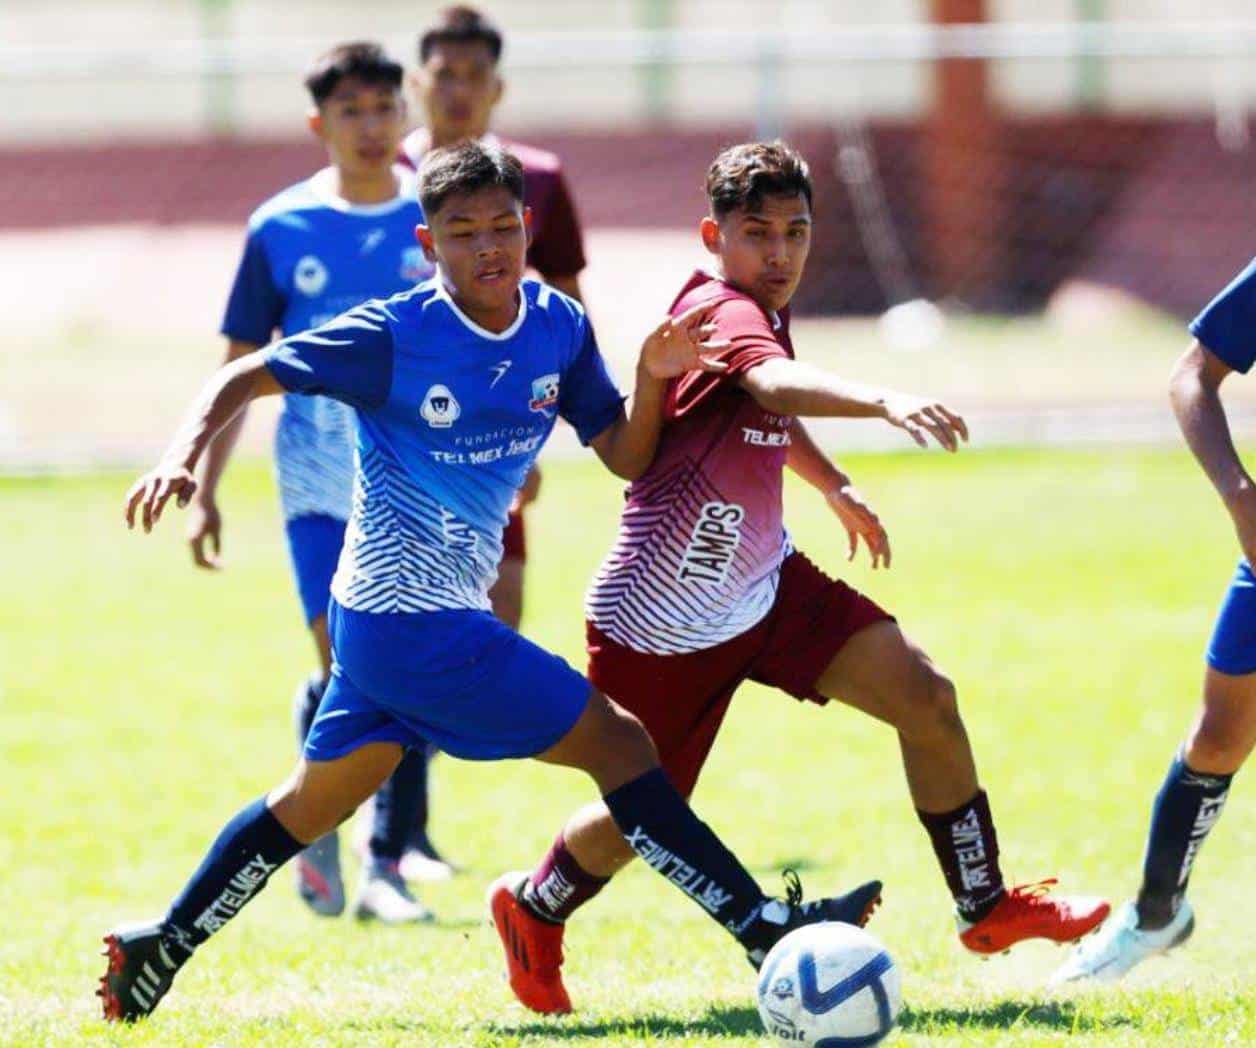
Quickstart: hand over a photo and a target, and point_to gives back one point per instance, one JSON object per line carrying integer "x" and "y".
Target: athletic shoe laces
{"x": 1031, "y": 897}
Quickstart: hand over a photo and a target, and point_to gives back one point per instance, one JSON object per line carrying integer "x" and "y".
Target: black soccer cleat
{"x": 142, "y": 967}
{"x": 779, "y": 917}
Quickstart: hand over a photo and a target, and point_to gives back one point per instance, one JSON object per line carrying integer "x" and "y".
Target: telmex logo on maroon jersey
{"x": 770, "y": 438}
{"x": 715, "y": 538}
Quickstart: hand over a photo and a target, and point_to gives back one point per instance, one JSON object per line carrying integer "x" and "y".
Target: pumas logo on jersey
{"x": 544, "y": 394}
{"x": 414, "y": 265}
{"x": 440, "y": 408}
{"x": 310, "y": 276}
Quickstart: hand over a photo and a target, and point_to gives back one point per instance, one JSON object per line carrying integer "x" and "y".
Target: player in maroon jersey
{"x": 457, "y": 87}
{"x": 704, "y": 590}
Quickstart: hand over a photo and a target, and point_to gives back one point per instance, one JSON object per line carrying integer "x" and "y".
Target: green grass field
{"x": 1069, "y": 594}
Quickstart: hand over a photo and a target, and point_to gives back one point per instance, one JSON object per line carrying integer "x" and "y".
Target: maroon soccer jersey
{"x": 698, "y": 556}
{"x": 557, "y": 248}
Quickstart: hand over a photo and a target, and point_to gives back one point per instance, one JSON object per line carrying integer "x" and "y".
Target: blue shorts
{"x": 314, "y": 542}
{"x": 461, "y": 680}
{"x": 1232, "y": 649}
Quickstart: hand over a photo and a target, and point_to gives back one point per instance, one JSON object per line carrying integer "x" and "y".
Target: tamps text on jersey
{"x": 713, "y": 543}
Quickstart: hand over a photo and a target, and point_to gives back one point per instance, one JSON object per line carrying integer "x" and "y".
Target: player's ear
{"x": 423, "y": 234}
{"x": 527, "y": 224}
{"x": 314, "y": 121}
{"x": 709, "y": 230}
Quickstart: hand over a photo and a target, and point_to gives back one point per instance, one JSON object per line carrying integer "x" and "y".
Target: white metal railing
{"x": 230, "y": 55}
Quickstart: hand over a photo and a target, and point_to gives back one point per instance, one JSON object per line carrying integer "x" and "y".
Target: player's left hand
{"x": 148, "y": 495}
{"x": 920, "y": 416}
{"x": 683, "y": 343}
{"x": 860, "y": 522}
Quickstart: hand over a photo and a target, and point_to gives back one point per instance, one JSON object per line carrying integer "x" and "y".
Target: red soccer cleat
{"x": 1030, "y": 911}
{"x": 534, "y": 948}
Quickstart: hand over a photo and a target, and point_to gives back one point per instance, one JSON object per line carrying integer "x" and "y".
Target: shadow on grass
{"x": 1004, "y": 1015}
{"x": 730, "y": 1021}
{"x": 717, "y": 1021}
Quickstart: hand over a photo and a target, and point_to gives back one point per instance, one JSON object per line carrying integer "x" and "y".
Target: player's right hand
{"x": 204, "y": 530}
{"x": 148, "y": 495}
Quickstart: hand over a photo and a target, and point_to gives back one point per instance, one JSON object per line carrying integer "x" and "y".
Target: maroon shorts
{"x": 682, "y": 699}
{"x": 513, "y": 544}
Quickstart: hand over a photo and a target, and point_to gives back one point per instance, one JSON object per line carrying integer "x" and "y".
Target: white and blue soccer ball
{"x": 830, "y": 985}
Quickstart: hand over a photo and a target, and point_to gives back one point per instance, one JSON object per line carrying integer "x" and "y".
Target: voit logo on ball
{"x": 440, "y": 408}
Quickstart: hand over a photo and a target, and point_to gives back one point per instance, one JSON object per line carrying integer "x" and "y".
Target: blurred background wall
{"x": 999, "y": 157}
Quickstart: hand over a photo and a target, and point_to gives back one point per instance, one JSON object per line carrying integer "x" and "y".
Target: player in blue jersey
{"x": 322, "y": 246}
{"x": 456, "y": 385}
{"x": 1195, "y": 788}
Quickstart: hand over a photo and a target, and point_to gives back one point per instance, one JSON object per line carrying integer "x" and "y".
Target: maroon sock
{"x": 559, "y": 886}
{"x": 968, "y": 852}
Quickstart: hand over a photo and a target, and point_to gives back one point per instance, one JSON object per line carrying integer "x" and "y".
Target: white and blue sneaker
{"x": 1121, "y": 945}
{"x": 384, "y": 896}
{"x": 319, "y": 882}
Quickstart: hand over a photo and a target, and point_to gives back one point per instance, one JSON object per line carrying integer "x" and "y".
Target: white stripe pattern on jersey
{"x": 404, "y": 551}
{"x": 314, "y": 457}
{"x": 637, "y": 598}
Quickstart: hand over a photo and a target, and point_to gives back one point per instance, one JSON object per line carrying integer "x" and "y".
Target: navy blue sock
{"x": 396, "y": 804}
{"x": 661, "y": 828}
{"x": 307, "y": 705}
{"x": 418, "y": 831}
{"x": 1187, "y": 807}
{"x": 248, "y": 850}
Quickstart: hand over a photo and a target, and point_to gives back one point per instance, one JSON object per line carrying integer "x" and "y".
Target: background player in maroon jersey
{"x": 457, "y": 86}
{"x": 703, "y": 590}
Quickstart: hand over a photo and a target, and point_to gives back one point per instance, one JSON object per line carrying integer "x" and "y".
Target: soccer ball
{"x": 829, "y": 984}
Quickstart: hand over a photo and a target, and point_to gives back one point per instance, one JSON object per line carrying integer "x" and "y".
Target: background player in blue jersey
{"x": 322, "y": 246}
{"x": 1198, "y": 781}
{"x": 445, "y": 436}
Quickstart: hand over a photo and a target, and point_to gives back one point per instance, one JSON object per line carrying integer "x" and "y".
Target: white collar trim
{"x": 442, "y": 292}
{"x": 321, "y": 187}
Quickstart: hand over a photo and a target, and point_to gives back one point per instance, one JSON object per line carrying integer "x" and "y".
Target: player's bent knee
{"x": 626, "y": 749}
{"x": 934, "y": 705}
{"x": 1211, "y": 748}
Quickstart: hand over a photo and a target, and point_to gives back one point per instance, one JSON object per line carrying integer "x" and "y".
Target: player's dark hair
{"x": 741, "y": 176}
{"x": 361, "y": 60}
{"x": 461, "y": 24}
{"x": 466, "y": 168}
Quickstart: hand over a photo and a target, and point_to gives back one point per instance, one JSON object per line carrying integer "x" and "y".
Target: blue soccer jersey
{"x": 308, "y": 257}
{"x": 450, "y": 417}
{"x": 1227, "y": 325}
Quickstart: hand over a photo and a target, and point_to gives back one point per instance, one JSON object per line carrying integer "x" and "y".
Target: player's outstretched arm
{"x": 220, "y": 400}
{"x": 1195, "y": 393}
{"x": 790, "y": 387}
{"x": 679, "y": 344}
{"x": 808, "y": 460}
{"x": 204, "y": 526}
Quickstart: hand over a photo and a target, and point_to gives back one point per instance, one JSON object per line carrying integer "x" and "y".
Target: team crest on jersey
{"x": 414, "y": 264}
{"x": 440, "y": 408}
{"x": 310, "y": 276}
{"x": 544, "y": 393}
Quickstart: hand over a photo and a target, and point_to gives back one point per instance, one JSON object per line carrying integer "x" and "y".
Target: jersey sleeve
{"x": 558, "y": 245}
{"x": 1227, "y": 325}
{"x": 588, "y": 397}
{"x": 744, "y": 325}
{"x": 349, "y": 358}
{"x": 255, "y": 306}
